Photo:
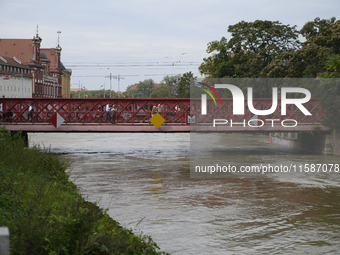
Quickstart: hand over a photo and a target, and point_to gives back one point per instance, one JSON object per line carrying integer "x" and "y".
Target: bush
{"x": 329, "y": 99}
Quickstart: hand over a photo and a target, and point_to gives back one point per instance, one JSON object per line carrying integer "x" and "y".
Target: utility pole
{"x": 110, "y": 82}
{"x": 118, "y": 78}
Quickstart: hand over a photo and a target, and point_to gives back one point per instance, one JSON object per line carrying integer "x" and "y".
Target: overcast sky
{"x": 146, "y": 39}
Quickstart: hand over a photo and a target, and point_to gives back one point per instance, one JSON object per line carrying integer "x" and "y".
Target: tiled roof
{"x": 76, "y": 90}
{"x": 11, "y": 62}
{"x": 51, "y": 55}
{"x": 20, "y": 48}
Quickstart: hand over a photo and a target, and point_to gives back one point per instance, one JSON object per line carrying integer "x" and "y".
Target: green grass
{"x": 46, "y": 213}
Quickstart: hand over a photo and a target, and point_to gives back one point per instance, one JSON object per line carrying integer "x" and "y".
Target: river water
{"x": 144, "y": 181}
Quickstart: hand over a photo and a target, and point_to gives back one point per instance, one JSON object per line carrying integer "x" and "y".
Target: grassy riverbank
{"x": 46, "y": 213}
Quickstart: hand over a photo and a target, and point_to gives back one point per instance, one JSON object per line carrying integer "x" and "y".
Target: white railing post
{"x": 4, "y": 241}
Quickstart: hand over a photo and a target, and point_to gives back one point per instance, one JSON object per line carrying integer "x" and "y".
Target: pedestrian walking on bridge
{"x": 108, "y": 115}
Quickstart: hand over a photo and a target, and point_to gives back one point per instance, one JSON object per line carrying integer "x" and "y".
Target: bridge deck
{"x": 145, "y": 128}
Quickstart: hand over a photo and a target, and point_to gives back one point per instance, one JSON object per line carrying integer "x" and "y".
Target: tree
{"x": 305, "y": 62}
{"x": 187, "y": 80}
{"x": 161, "y": 92}
{"x": 322, "y": 40}
{"x": 172, "y": 82}
{"x": 333, "y": 63}
{"x": 130, "y": 92}
{"x": 323, "y": 32}
{"x": 329, "y": 99}
{"x": 92, "y": 94}
{"x": 328, "y": 93}
{"x": 220, "y": 63}
{"x": 144, "y": 88}
{"x": 252, "y": 47}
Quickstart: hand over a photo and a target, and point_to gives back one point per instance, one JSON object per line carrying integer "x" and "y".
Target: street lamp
{"x": 103, "y": 90}
{"x": 84, "y": 91}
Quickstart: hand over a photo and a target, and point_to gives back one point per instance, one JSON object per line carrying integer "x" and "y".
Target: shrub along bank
{"x": 46, "y": 213}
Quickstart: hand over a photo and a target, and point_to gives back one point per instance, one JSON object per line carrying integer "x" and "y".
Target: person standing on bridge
{"x": 113, "y": 113}
{"x": 30, "y": 110}
{"x": 108, "y": 115}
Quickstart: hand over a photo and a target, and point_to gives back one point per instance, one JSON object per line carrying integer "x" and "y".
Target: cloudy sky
{"x": 146, "y": 39}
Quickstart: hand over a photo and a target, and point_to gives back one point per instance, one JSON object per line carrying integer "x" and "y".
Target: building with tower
{"x": 49, "y": 77}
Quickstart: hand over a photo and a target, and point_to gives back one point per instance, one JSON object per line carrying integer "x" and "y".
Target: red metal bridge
{"x": 133, "y": 115}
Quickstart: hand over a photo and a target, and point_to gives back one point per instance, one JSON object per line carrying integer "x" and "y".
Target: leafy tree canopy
{"x": 253, "y": 45}
{"x": 329, "y": 93}
{"x": 161, "y": 92}
{"x": 333, "y": 63}
{"x": 270, "y": 49}
{"x": 187, "y": 80}
{"x": 323, "y": 32}
{"x": 171, "y": 81}
{"x": 145, "y": 88}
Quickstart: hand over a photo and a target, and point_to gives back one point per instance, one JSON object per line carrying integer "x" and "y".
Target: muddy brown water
{"x": 144, "y": 181}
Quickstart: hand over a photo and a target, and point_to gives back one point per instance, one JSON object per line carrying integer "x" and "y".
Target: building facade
{"x": 16, "y": 79}
{"x": 47, "y": 71}
{"x": 66, "y": 83}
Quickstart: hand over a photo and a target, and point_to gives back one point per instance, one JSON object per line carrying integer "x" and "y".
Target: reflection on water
{"x": 144, "y": 180}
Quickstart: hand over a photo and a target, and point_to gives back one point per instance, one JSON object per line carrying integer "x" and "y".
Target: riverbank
{"x": 46, "y": 213}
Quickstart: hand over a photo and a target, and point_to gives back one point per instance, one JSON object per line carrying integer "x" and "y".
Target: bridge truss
{"x": 139, "y": 111}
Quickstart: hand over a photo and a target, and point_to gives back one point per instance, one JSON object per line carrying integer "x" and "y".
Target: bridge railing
{"x": 92, "y": 110}
{"x": 138, "y": 111}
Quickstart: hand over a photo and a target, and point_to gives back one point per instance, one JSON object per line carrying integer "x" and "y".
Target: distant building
{"x": 66, "y": 83}
{"x": 16, "y": 78}
{"x": 49, "y": 76}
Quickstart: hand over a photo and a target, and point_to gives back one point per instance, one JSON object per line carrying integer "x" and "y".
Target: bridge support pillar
{"x": 320, "y": 143}
{"x": 336, "y": 142}
{"x": 315, "y": 142}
